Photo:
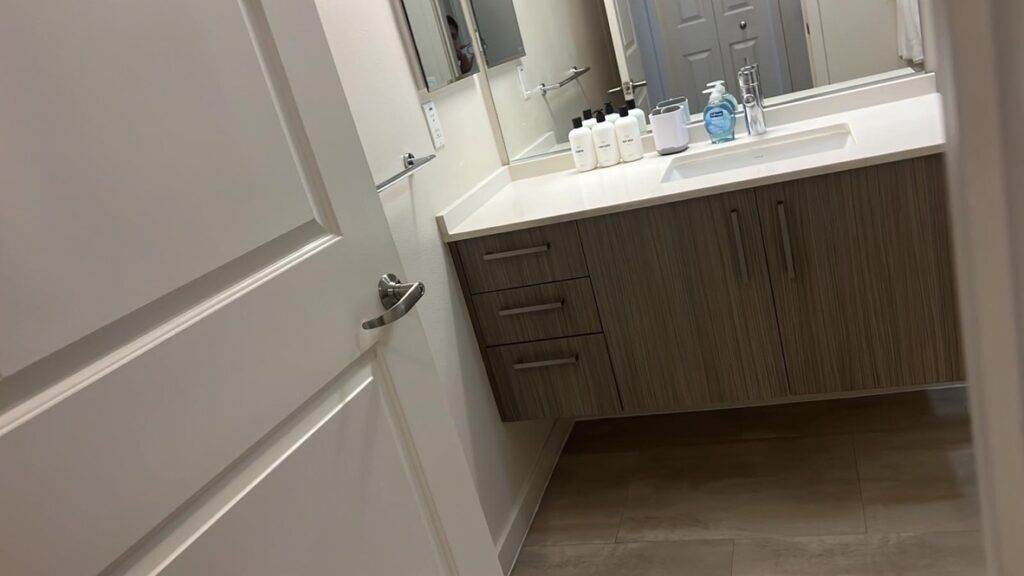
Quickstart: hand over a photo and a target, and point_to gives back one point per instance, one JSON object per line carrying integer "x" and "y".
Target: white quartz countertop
{"x": 885, "y": 133}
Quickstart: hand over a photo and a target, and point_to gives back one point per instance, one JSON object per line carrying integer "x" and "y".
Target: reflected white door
{"x": 189, "y": 241}
{"x": 750, "y": 32}
{"x": 690, "y": 55}
{"x": 701, "y": 41}
{"x": 627, "y": 49}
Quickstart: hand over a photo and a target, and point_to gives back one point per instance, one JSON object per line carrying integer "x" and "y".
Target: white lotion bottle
{"x": 581, "y": 141}
{"x": 606, "y": 143}
{"x": 627, "y": 133}
{"x": 638, "y": 114}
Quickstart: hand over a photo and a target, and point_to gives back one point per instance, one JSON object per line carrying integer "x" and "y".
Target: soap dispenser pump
{"x": 720, "y": 114}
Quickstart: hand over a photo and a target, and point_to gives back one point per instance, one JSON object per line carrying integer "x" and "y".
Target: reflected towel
{"x": 908, "y": 31}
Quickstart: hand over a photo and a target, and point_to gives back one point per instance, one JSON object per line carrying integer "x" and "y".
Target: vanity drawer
{"x": 522, "y": 258}
{"x": 555, "y": 378}
{"x": 537, "y": 312}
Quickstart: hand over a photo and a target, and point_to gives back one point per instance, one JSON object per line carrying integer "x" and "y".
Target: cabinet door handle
{"x": 531, "y": 309}
{"x": 741, "y": 254}
{"x": 787, "y": 244}
{"x": 545, "y": 363}
{"x": 513, "y": 253}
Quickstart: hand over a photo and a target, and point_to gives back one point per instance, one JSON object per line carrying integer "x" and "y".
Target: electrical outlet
{"x": 434, "y": 124}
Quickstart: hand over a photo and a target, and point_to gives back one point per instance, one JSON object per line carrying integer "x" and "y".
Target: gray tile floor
{"x": 880, "y": 486}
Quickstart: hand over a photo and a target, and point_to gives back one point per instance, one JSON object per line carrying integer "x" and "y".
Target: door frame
{"x": 976, "y": 42}
{"x": 815, "y": 43}
{"x": 640, "y": 16}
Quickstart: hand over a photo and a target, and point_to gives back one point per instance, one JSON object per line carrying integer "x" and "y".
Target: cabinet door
{"x": 863, "y": 277}
{"x": 685, "y": 301}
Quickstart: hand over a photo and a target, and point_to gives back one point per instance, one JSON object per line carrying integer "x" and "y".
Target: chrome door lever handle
{"x": 628, "y": 87}
{"x": 397, "y": 297}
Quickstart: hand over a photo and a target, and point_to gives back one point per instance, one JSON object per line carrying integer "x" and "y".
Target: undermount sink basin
{"x": 763, "y": 150}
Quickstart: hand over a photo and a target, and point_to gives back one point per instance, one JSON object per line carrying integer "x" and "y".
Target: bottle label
{"x": 718, "y": 121}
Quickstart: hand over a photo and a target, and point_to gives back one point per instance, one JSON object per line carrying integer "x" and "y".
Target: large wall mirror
{"x": 670, "y": 48}
{"x": 444, "y": 45}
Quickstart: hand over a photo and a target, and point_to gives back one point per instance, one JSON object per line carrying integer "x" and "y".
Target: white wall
{"x": 381, "y": 90}
{"x": 860, "y": 38}
{"x": 556, "y": 35}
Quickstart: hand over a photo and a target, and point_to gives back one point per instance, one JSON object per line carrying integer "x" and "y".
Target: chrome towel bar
{"x": 411, "y": 164}
{"x": 574, "y": 73}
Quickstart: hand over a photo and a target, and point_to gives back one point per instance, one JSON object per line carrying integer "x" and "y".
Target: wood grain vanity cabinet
{"x": 863, "y": 277}
{"x": 685, "y": 298}
{"x": 832, "y": 284}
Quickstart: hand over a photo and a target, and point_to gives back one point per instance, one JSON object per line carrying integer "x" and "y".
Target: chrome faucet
{"x": 753, "y": 99}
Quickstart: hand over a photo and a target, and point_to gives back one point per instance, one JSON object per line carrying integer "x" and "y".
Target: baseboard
{"x": 518, "y": 525}
{"x": 865, "y": 393}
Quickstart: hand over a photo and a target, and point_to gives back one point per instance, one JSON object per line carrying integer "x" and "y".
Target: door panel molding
{"x": 42, "y": 385}
{"x": 127, "y": 180}
{"x": 207, "y": 510}
{"x": 288, "y": 112}
{"x": 192, "y": 519}
{"x": 180, "y": 394}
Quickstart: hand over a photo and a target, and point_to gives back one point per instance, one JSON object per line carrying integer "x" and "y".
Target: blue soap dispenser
{"x": 720, "y": 114}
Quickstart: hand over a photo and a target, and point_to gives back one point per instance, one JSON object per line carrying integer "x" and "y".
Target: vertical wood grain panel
{"x": 872, "y": 303}
{"x": 683, "y": 327}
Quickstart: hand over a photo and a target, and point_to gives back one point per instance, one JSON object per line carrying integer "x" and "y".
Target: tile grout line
{"x": 860, "y": 483}
{"x": 629, "y": 496}
{"x": 732, "y": 559}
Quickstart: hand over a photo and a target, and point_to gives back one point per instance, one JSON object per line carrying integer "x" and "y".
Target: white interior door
{"x": 189, "y": 241}
{"x": 627, "y": 49}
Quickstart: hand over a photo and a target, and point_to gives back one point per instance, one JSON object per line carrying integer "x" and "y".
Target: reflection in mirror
{"x": 560, "y": 39}
{"x": 442, "y": 38}
{"x": 498, "y": 27}
{"x": 654, "y": 50}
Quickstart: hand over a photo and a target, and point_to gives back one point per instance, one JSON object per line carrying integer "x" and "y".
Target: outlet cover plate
{"x": 434, "y": 124}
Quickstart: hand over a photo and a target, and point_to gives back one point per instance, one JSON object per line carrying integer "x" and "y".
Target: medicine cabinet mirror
{"x": 444, "y": 46}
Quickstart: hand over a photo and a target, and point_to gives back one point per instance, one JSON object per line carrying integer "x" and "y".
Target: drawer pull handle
{"x": 513, "y": 253}
{"x": 544, "y": 363}
{"x": 531, "y": 309}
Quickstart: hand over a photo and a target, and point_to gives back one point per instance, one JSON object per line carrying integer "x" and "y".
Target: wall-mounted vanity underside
{"x": 837, "y": 284}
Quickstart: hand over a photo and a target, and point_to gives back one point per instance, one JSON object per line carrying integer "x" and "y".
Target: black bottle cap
{"x": 588, "y": 114}
{"x": 577, "y": 122}
{"x": 608, "y": 109}
{"x": 631, "y": 104}
{"x": 623, "y": 111}
{"x": 599, "y": 116}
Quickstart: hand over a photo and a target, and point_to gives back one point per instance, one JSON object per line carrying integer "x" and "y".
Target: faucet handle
{"x": 749, "y": 75}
